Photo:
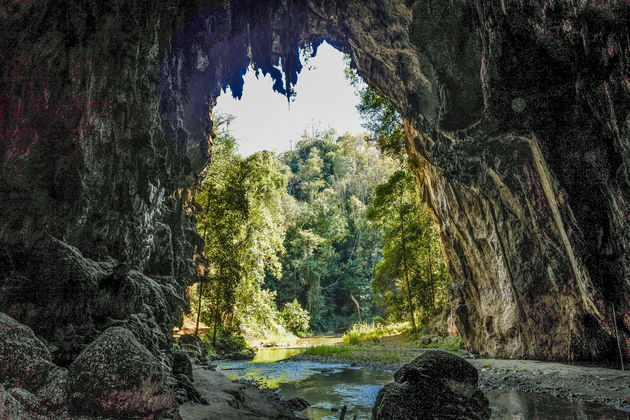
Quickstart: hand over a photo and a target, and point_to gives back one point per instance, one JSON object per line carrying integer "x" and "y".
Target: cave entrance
{"x": 207, "y": 64}
{"x": 322, "y": 99}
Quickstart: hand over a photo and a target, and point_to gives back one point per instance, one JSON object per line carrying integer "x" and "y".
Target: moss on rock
{"x": 24, "y": 359}
{"x": 116, "y": 376}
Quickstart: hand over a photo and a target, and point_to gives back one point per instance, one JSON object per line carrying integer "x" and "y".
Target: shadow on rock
{"x": 435, "y": 385}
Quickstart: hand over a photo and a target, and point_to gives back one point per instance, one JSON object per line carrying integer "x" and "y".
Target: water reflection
{"x": 516, "y": 405}
{"x": 274, "y": 355}
{"x": 330, "y": 386}
{"x": 325, "y": 386}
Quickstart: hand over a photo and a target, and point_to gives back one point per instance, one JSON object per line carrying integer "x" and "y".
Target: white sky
{"x": 324, "y": 98}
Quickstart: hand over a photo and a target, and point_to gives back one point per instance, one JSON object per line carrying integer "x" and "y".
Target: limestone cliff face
{"x": 533, "y": 199}
{"x": 517, "y": 123}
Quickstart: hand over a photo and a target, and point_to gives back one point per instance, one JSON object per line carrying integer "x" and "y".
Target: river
{"x": 327, "y": 387}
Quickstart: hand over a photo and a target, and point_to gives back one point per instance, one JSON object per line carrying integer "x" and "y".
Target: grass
{"x": 271, "y": 339}
{"x": 363, "y": 332}
{"x": 450, "y": 343}
{"x": 357, "y": 352}
{"x": 390, "y": 343}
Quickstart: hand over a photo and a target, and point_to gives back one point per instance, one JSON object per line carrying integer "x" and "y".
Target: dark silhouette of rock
{"x": 241, "y": 355}
{"x": 182, "y": 364}
{"x": 298, "y": 404}
{"x": 436, "y": 385}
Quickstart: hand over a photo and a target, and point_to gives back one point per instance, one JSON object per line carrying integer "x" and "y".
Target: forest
{"x": 319, "y": 238}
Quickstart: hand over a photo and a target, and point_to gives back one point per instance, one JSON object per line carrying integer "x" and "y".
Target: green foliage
{"x": 412, "y": 274}
{"x": 451, "y": 343}
{"x": 409, "y": 242}
{"x": 355, "y": 352}
{"x": 229, "y": 340}
{"x": 331, "y": 249}
{"x": 323, "y": 230}
{"x": 296, "y": 319}
{"x": 243, "y": 227}
{"x": 206, "y": 339}
{"x": 362, "y": 332}
{"x": 381, "y": 118}
{"x": 326, "y": 351}
{"x": 260, "y": 317}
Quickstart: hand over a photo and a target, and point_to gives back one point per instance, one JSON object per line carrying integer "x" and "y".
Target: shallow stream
{"x": 327, "y": 387}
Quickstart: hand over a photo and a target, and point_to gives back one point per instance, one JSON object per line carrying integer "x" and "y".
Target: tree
{"x": 412, "y": 270}
{"x": 243, "y": 224}
{"x": 412, "y": 261}
{"x": 381, "y": 118}
{"x": 331, "y": 249}
{"x": 295, "y": 318}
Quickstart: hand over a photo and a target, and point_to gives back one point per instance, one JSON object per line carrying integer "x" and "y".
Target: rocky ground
{"x": 606, "y": 386}
{"x": 232, "y": 400}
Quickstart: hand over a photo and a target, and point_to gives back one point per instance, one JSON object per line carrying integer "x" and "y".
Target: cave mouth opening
{"x": 323, "y": 98}
{"x": 217, "y": 70}
{"x": 213, "y": 51}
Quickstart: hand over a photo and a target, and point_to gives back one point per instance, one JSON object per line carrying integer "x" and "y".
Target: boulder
{"x": 182, "y": 364}
{"x": 10, "y": 408}
{"x": 116, "y": 376}
{"x": 436, "y": 385}
{"x": 242, "y": 355}
{"x": 298, "y": 404}
{"x": 25, "y": 399}
{"x": 193, "y": 346}
{"x": 24, "y": 359}
{"x": 190, "y": 392}
{"x": 54, "y": 394}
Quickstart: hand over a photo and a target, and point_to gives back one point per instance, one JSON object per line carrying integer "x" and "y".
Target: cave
{"x": 517, "y": 123}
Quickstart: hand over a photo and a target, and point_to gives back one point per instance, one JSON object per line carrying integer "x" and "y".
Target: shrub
{"x": 352, "y": 337}
{"x": 229, "y": 340}
{"x": 295, "y": 318}
{"x": 378, "y": 320}
{"x": 258, "y": 315}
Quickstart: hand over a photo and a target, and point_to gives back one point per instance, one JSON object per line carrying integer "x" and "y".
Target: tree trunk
{"x": 199, "y": 292}
{"x": 431, "y": 282}
{"x": 356, "y": 304}
{"x": 405, "y": 268}
{"x": 200, "y": 288}
{"x": 216, "y": 315}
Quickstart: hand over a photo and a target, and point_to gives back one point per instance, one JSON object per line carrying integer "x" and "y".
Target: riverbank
{"x": 232, "y": 400}
{"x": 577, "y": 383}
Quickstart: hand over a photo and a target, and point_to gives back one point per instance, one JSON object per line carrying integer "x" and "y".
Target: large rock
{"x": 24, "y": 360}
{"x": 436, "y": 385}
{"x": 116, "y": 376}
{"x": 10, "y": 408}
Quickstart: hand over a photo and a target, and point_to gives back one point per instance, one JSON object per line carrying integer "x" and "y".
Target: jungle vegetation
{"x": 329, "y": 234}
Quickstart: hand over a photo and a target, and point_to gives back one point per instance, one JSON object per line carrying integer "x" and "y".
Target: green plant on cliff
{"x": 380, "y": 117}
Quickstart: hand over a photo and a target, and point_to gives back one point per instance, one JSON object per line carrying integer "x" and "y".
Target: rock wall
{"x": 532, "y": 199}
{"x": 517, "y": 127}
